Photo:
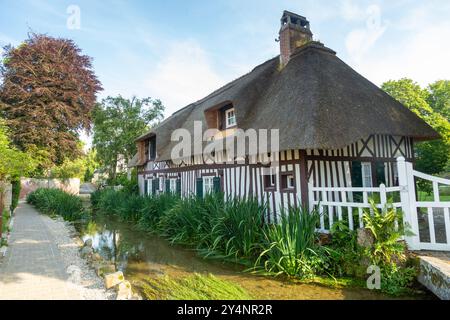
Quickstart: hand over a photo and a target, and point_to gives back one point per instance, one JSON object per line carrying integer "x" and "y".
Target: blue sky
{"x": 179, "y": 51}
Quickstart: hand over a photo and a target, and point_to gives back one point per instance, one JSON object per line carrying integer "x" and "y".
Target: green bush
{"x": 57, "y": 202}
{"x": 15, "y": 193}
{"x": 387, "y": 252}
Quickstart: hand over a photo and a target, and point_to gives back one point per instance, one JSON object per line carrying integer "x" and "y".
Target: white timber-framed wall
{"x": 319, "y": 168}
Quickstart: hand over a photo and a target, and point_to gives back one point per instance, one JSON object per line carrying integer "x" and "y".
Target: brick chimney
{"x": 294, "y": 33}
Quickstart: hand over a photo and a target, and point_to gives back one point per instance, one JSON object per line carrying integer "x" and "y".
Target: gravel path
{"x": 43, "y": 262}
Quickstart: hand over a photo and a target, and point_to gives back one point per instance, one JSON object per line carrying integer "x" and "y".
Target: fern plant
{"x": 387, "y": 232}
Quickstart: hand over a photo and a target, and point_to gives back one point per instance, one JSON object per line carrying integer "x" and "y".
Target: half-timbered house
{"x": 336, "y": 129}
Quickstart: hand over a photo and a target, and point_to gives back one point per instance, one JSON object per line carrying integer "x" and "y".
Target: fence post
{"x": 383, "y": 196}
{"x": 408, "y": 200}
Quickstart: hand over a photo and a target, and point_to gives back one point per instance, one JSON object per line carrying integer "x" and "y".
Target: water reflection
{"x": 140, "y": 256}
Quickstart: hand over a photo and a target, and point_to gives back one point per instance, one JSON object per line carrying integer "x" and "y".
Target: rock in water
{"x": 104, "y": 268}
{"x": 88, "y": 243}
{"x": 86, "y": 252}
{"x": 124, "y": 291}
{"x": 113, "y": 279}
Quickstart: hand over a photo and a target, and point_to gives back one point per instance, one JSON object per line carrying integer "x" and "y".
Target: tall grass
{"x": 291, "y": 247}
{"x": 238, "y": 231}
{"x": 196, "y": 287}
{"x": 57, "y": 202}
{"x": 153, "y": 208}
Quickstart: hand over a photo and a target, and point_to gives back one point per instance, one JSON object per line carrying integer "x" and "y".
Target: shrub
{"x": 387, "y": 230}
{"x": 57, "y": 202}
{"x": 387, "y": 251}
{"x": 15, "y": 193}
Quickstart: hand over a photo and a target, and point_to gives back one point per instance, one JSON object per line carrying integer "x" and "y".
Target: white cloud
{"x": 184, "y": 75}
{"x": 349, "y": 10}
{"x": 360, "y": 41}
{"x": 422, "y": 56}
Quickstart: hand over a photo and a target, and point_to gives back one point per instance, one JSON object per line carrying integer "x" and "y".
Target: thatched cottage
{"x": 336, "y": 129}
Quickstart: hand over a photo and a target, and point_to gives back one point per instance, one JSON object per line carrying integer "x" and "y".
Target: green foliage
{"x": 397, "y": 280}
{"x": 16, "y": 187}
{"x": 5, "y": 222}
{"x": 13, "y": 163}
{"x": 91, "y": 165}
{"x": 236, "y": 230}
{"x": 117, "y": 123}
{"x": 154, "y": 208}
{"x": 345, "y": 254}
{"x": 188, "y": 220}
{"x": 387, "y": 252}
{"x": 292, "y": 247}
{"x": 439, "y": 97}
{"x": 121, "y": 179}
{"x": 383, "y": 225}
{"x": 70, "y": 169}
{"x": 431, "y": 105}
{"x": 196, "y": 287}
{"x": 57, "y": 202}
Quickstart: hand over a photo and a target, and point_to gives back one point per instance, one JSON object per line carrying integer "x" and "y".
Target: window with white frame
{"x": 161, "y": 184}
{"x": 230, "y": 118}
{"x": 173, "y": 185}
{"x": 149, "y": 186}
{"x": 366, "y": 169}
{"x": 208, "y": 185}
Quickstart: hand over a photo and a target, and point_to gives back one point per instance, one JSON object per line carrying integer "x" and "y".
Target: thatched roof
{"x": 317, "y": 101}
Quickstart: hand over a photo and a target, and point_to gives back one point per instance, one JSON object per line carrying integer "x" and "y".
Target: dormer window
{"x": 152, "y": 149}
{"x": 230, "y": 118}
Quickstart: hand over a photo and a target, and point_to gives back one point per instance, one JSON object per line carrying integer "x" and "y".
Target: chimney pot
{"x": 295, "y": 32}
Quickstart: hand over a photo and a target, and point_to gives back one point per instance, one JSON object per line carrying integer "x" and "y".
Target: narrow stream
{"x": 141, "y": 256}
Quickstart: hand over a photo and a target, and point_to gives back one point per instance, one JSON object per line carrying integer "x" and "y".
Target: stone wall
{"x": 8, "y": 196}
{"x": 29, "y": 185}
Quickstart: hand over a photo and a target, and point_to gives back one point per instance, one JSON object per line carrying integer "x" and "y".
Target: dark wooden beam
{"x": 304, "y": 178}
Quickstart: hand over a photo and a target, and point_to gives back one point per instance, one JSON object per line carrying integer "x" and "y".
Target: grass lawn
{"x": 444, "y": 194}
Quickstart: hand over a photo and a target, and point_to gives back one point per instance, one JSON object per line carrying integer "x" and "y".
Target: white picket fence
{"x": 428, "y": 221}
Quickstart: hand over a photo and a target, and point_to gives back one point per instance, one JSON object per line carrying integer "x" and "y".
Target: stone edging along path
{"x": 43, "y": 262}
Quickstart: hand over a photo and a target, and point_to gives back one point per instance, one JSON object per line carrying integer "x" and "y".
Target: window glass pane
{"x": 230, "y": 117}
{"x": 208, "y": 185}
{"x": 366, "y": 168}
{"x": 290, "y": 181}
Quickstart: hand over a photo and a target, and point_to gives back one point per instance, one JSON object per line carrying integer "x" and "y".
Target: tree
{"x": 47, "y": 95}
{"x": 13, "y": 164}
{"x": 117, "y": 123}
{"x": 91, "y": 164}
{"x": 439, "y": 97}
{"x": 432, "y": 156}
